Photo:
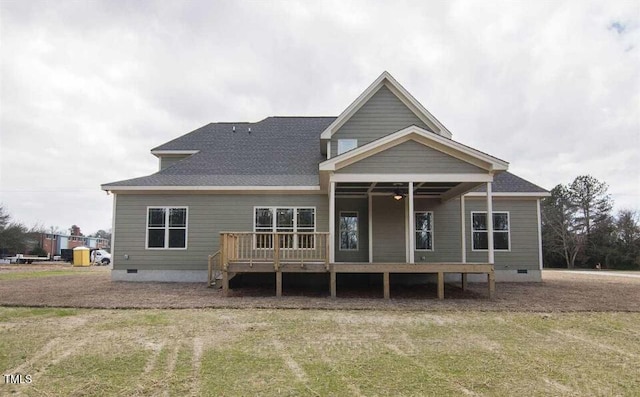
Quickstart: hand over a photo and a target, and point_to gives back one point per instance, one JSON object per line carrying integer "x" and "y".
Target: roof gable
{"x": 427, "y": 138}
{"x": 411, "y": 157}
{"x": 386, "y": 80}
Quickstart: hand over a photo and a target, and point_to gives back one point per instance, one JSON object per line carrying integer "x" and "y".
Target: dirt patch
{"x": 559, "y": 292}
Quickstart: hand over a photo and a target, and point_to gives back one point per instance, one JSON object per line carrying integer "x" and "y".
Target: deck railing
{"x": 276, "y": 248}
{"x": 214, "y": 267}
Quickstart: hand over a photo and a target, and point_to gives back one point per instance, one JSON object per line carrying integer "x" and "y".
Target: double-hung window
{"x": 285, "y": 220}
{"x": 167, "y": 227}
{"x": 424, "y": 230}
{"x": 348, "y": 231}
{"x": 480, "y": 235}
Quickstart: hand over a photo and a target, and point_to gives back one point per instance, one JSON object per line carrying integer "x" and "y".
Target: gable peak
{"x": 387, "y": 80}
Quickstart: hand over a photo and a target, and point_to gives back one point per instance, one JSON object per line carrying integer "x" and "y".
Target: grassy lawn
{"x": 246, "y": 352}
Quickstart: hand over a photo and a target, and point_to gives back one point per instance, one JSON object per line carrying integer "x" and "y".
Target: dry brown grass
{"x": 559, "y": 292}
{"x": 247, "y": 352}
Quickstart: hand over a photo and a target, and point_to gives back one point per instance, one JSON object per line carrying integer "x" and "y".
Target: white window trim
{"x": 295, "y": 224}
{"x": 166, "y": 229}
{"x": 494, "y": 231}
{"x": 357, "y": 232}
{"x": 345, "y": 140}
{"x": 432, "y": 230}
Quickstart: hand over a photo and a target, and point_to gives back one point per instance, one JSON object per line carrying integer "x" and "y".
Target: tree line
{"x": 579, "y": 228}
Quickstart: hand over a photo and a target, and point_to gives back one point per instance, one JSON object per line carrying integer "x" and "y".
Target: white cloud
{"x": 89, "y": 87}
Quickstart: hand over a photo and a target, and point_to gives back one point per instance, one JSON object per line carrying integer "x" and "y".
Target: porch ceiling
{"x": 430, "y": 189}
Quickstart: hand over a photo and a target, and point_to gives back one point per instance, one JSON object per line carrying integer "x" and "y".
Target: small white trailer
{"x": 22, "y": 258}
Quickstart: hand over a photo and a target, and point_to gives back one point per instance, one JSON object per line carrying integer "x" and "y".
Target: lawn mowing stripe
{"x": 197, "y": 364}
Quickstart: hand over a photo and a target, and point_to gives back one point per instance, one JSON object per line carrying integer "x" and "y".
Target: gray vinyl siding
{"x": 167, "y": 161}
{"x": 361, "y": 206}
{"x": 389, "y": 231}
{"x": 447, "y": 247}
{"x": 383, "y": 114}
{"x": 413, "y": 158}
{"x": 208, "y": 215}
{"x": 446, "y": 231}
{"x": 523, "y": 225}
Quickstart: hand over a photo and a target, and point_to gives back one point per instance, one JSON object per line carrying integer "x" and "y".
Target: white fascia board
{"x": 496, "y": 164}
{"x": 395, "y": 84}
{"x": 509, "y": 194}
{"x": 351, "y": 109}
{"x": 173, "y": 152}
{"x": 211, "y": 188}
{"x": 411, "y": 178}
{"x": 396, "y": 88}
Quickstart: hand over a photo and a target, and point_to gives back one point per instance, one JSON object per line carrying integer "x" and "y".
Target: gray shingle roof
{"x": 506, "y": 182}
{"x": 279, "y": 151}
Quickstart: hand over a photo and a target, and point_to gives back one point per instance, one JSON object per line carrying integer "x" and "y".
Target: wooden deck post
{"x": 385, "y": 282}
{"x": 278, "y": 283}
{"x": 332, "y": 282}
{"x": 464, "y": 281}
{"x": 440, "y": 285}
{"x": 491, "y": 278}
{"x": 224, "y": 264}
{"x": 225, "y": 283}
{"x": 327, "y": 253}
{"x": 276, "y": 251}
{"x": 210, "y": 271}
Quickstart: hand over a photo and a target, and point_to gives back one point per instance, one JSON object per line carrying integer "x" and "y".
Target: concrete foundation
{"x": 178, "y": 276}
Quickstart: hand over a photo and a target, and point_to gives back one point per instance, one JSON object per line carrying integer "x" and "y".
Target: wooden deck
{"x": 251, "y": 253}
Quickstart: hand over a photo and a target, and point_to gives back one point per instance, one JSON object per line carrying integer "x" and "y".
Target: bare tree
{"x": 577, "y": 222}
{"x": 563, "y": 235}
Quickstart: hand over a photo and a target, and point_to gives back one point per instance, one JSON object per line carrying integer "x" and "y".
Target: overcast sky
{"x": 89, "y": 87}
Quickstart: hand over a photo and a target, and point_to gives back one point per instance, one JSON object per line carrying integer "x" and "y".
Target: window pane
{"x": 264, "y": 218}
{"x": 423, "y": 221}
{"x": 344, "y": 145}
{"x": 177, "y": 217}
{"x": 344, "y": 240}
{"x": 177, "y": 238}
{"x": 305, "y": 217}
{"x": 348, "y": 241}
{"x": 480, "y": 241}
{"x": 349, "y": 221}
{"x": 479, "y": 221}
{"x": 156, "y": 217}
{"x": 156, "y": 238}
{"x": 500, "y": 221}
{"x": 353, "y": 241}
{"x": 501, "y": 240}
{"x": 284, "y": 218}
{"x": 423, "y": 241}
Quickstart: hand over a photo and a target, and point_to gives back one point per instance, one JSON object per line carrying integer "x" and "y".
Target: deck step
{"x": 217, "y": 279}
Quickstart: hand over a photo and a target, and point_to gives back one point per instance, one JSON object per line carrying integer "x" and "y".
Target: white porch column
{"x": 490, "y": 223}
{"x": 332, "y": 222}
{"x": 539, "y": 234}
{"x": 370, "y": 207}
{"x": 412, "y": 235}
{"x": 463, "y": 233}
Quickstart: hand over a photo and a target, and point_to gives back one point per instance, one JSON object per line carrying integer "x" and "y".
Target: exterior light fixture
{"x": 397, "y": 194}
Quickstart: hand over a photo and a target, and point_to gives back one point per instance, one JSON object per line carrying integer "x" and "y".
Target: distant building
{"x": 54, "y": 243}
